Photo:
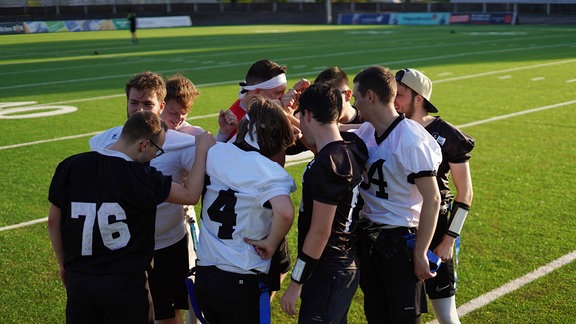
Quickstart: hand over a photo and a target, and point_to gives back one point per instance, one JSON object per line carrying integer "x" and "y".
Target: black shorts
{"x": 167, "y": 279}
{"x": 279, "y": 264}
{"x": 391, "y": 289}
{"x": 444, "y": 284}
{"x": 327, "y": 295}
{"x": 106, "y": 298}
{"x": 227, "y": 297}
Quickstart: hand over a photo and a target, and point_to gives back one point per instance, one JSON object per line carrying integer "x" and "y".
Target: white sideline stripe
{"x": 513, "y": 285}
{"x": 293, "y": 159}
{"x": 32, "y": 222}
{"x": 47, "y": 141}
{"x": 524, "y": 112}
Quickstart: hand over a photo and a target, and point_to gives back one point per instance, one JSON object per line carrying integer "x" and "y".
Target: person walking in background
{"x": 413, "y": 100}
{"x": 101, "y": 220}
{"x": 325, "y": 275}
{"x": 132, "y": 22}
{"x": 246, "y": 201}
{"x": 400, "y": 196}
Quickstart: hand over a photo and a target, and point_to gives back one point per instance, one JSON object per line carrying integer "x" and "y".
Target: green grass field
{"x": 511, "y": 87}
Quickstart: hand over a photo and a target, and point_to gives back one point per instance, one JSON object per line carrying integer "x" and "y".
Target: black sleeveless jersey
{"x": 456, "y": 147}
{"x": 108, "y": 209}
{"x": 333, "y": 177}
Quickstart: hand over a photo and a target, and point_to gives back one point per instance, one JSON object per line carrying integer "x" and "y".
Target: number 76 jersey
{"x": 235, "y": 206}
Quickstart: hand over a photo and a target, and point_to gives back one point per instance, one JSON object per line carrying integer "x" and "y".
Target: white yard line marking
{"x": 538, "y": 79}
{"x": 32, "y": 222}
{"x": 524, "y": 112}
{"x": 536, "y": 66}
{"x": 292, "y": 160}
{"x": 513, "y": 285}
{"x": 206, "y": 65}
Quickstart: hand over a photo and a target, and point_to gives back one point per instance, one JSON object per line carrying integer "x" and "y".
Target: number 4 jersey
{"x": 235, "y": 206}
{"x": 108, "y": 206}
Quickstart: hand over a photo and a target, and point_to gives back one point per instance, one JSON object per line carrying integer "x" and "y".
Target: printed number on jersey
{"x": 115, "y": 234}
{"x": 222, "y": 210}
{"x": 376, "y": 177}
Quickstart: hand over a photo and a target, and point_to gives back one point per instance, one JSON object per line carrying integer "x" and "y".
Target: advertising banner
{"x": 12, "y": 28}
{"x": 502, "y": 18}
{"x": 91, "y": 25}
{"x": 425, "y": 18}
{"x": 364, "y": 19}
{"x": 434, "y": 18}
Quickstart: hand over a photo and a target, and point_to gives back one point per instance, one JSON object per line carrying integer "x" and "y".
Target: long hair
{"x": 265, "y": 119}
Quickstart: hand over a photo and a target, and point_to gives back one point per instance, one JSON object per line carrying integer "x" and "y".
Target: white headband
{"x": 276, "y": 81}
{"x": 251, "y": 137}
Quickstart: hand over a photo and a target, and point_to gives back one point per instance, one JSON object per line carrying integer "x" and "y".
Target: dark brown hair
{"x": 267, "y": 119}
{"x": 148, "y": 81}
{"x": 143, "y": 125}
{"x": 380, "y": 80}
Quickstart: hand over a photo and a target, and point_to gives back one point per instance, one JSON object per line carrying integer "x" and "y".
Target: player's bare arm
{"x": 54, "y": 230}
{"x": 283, "y": 217}
{"x": 428, "y": 188}
{"x": 462, "y": 181}
{"x": 314, "y": 244}
{"x": 190, "y": 192}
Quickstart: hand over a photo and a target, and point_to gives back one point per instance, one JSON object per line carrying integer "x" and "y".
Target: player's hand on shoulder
{"x": 204, "y": 141}
{"x": 191, "y": 130}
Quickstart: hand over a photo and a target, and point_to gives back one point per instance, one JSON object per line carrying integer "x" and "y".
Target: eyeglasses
{"x": 159, "y": 151}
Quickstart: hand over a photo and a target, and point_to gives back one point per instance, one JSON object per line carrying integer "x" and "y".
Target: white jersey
{"x": 180, "y": 150}
{"x": 188, "y": 128}
{"x": 235, "y": 206}
{"x": 406, "y": 151}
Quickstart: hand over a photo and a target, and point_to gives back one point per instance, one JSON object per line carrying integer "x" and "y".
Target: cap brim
{"x": 430, "y": 107}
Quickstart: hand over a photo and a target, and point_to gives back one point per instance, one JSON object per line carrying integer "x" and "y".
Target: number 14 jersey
{"x": 404, "y": 152}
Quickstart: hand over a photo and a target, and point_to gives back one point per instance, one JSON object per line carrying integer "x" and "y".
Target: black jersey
{"x": 456, "y": 147}
{"x": 108, "y": 209}
{"x": 333, "y": 177}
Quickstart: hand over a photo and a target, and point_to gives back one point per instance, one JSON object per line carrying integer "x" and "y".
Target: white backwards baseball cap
{"x": 418, "y": 82}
